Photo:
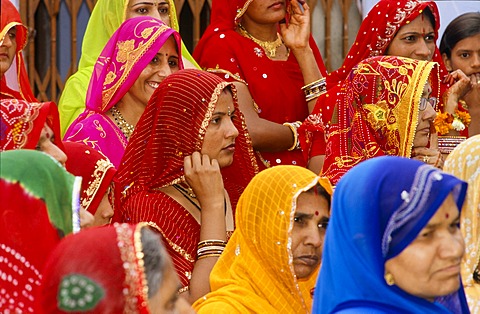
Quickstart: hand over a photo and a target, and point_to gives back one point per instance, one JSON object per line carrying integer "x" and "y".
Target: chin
{"x": 225, "y": 163}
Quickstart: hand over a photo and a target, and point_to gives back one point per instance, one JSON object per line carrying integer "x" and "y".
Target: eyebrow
{"x": 416, "y": 33}
{"x": 433, "y": 226}
{"x": 148, "y": 3}
{"x": 310, "y": 216}
{"x": 224, "y": 113}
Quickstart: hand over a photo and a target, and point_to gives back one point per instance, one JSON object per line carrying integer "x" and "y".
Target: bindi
{"x": 316, "y": 213}
{"x": 447, "y": 215}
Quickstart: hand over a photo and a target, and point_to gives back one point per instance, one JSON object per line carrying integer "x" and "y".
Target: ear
{"x": 447, "y": 62}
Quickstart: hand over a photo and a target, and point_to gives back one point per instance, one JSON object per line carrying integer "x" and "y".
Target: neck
{"x": 131, "y": 110}
{"x": 264, "y": 32}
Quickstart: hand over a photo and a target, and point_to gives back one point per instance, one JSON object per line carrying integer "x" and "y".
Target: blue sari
{"x": 378, "y": 209}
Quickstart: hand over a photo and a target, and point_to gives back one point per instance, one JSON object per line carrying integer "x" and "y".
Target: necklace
{"x": 187, "y": 195}
{"x": 126, "y": 128}
{"x": 270, "y": 47}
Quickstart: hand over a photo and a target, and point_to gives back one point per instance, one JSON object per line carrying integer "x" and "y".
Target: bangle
{"x": 315, "y": 89}
{"x": 447, "y": 143}
{"x": 294, "y": 127}
{"x": 210, "y": 243}
{"x": 208, "y": 255}
{"x": 444, "y": 121}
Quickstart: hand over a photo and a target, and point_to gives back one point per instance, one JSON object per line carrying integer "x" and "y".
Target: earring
{"x": 389, "y": 279}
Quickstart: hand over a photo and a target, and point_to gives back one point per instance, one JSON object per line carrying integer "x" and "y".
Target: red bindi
{"x": 447, "y": 215}
{"x": 316, "y": 213}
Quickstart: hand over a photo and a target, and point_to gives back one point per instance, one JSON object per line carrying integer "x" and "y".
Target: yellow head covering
{"x": 255, "y": 272}
{"x": 106, "y": 17}
{"x": 464, "y": 163}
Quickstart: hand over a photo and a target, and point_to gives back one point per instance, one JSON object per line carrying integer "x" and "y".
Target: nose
{"x": 452, "y": 246}
{"x": 476, "y": 60}
{"x": 164, "y": 71}
{"x": 314, "y": 236}
{"x": 107, "y": 213}
{"x": 423, "y": 50}
{"x": 6, "y": 41}
{"x": 86, "y": 218}
{"x": 54, "y": 151}
{"x": 231, "y": 131}
{"x": 429, "y": 113}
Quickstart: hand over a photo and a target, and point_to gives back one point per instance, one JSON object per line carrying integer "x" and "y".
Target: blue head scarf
{"x": 378, "y": 209}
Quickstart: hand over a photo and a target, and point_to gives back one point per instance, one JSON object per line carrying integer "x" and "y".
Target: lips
{"x": 453, "y": 270}
{"x": 153, "y": 85}
{"x": 230, "y": 147}
{"x": 308, "y": 260}
{"x": 276, "y": 4}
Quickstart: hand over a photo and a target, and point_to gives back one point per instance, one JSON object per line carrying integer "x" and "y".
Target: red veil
{"x": 11, "y": 18}
{"x": 173, "y": 126}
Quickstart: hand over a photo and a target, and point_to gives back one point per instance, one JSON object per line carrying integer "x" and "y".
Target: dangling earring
{"x": 389, "y": 279}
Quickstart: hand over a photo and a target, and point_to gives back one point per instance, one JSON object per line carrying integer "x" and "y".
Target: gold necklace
{"x": 270, "y": 47}
{"x": 126, "y": 128}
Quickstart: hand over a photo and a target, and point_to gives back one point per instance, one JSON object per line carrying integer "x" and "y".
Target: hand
{"x": 460, "y": 85}
{"x": 472, "y": 98}
{"x": 297, "y": 34}
{"x": 204, "y": 177}
{"x": 430, "y": 156}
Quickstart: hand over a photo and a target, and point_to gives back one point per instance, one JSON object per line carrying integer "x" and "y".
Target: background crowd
{"x": 243, "y": 177}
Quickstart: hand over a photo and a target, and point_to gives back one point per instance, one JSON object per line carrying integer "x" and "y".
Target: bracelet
{"x": 208, "y": 255}
{"x": 211, "y": 242}
{"x": 444, "y": 121}
{"x": 447, "y": 143}
{"x": 315, "y": 89}
{"x": 294, "y": 127}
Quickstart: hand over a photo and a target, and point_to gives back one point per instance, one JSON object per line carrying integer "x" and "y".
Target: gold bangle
{"x": 294, "y": 127}
{"x": 315, "y": 89}
{"x": 211, "y": 242}
{"x": 446, "y": 144}
{"x": 208, "y": 255}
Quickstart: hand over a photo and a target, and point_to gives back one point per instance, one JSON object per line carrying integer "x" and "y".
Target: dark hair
{"x": 463, "y": 26}
{"x": 154, "y": 259}
{"x": 428, "y": 13}
{"x": 320, "y": 190}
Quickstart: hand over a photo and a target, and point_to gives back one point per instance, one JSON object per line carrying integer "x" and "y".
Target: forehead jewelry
{"x": 229, "y": 112}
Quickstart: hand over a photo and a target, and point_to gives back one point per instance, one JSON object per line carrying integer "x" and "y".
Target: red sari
{"x": 11, "y": 18}
{"x": 275, "y": 86}
{"x": 376, "y": 112}
{"x": 173, "y": 126}
{"x": 373, "y": 39}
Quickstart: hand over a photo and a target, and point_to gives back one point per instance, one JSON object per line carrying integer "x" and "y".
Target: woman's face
{"x": 425, "y": 119}
{"x": 414, "y": 40}
{"x": 46, "y": 144}
{"x": 219, "y": 140}
{"x": 8, "y": 46}
{"x": 162, "y": 65}
{"x": 104, "y": 212}
{"x": 265, "y": 11}
{"x": 310, "y": 222}
{"x": 465, "y": 56}
{"x": 429, "y": 267}
{"x": 159, "y": 9}
{"x": 167, "y": 300}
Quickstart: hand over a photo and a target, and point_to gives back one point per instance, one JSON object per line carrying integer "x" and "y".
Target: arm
{"x": 472, "y": 98}
{"x": 460, "y": 86}
{"x": 296, "y": 37}
{"x": 204, "y": 176}
{"x": 266, "y": 135}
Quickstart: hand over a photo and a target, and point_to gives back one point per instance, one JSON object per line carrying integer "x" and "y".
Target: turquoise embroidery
{"x": 79, "y": 293}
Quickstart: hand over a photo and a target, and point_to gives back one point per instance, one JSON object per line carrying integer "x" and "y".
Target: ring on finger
{"x": 425, "y": 159}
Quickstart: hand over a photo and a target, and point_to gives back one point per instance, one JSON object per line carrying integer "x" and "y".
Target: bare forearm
{"x": 310, "y": 71}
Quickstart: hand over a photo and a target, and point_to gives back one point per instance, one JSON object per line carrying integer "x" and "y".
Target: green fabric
{"x": 45, "y": 178}
{"x": 106, "y": 17}
{"x": 79, "y": 293}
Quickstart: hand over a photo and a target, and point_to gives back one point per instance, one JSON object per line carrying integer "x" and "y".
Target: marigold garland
{"x": 444, "y": 122}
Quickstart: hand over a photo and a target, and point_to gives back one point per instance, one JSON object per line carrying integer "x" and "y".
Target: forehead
{"x": 312, "y": 203}
{"x": 420, "y": 24}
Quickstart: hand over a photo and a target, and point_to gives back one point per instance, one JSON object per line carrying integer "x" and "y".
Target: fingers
{"x": 430, "y": 156}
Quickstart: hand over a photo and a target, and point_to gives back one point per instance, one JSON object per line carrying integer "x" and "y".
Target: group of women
{"x": 172, "y": 164}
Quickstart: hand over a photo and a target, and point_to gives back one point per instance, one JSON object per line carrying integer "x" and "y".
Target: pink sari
{"x": 122, "y": 60}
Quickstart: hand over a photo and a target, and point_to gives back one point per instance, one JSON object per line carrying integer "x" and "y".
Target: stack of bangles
{"x": 447, "y": 143}
{"x": 315, "y": 89}
{"x": 210, "y": 248}
{"x": 294, "y": 127}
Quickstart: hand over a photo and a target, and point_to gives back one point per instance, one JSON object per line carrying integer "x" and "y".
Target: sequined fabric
{"x": 464, "y": 162}
{"x": 172, "y": 127}
{"x": 21, "y": 123}
{"x": 130, "y": 49}
{"x": 274, "y": 85}
{"x": 376, "y": 112}
{"x": 255, "y": 273}
{"x": 76, "y": 278}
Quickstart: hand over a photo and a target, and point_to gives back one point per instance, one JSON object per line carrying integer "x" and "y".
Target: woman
{"x": 170, "y": 174}
{"x": 274, "y": 71}
{"x": 404, "y": 28}
{"x": 13, "y": 38}
{"x": 29, "y": 125}
{"x": 97, "y": 174}
{"x": 385, "y": 107}
{"x": 106, "y": 18}
{"x": 464, "y": 163}
{"x": 140, "y": 54}
{"x": 40, "y": 205}
{"x": 460, "y": 49}
{"x": 403, "y": 236}
{"x": 139, "y": 277}
{"x": 270, "y": 263}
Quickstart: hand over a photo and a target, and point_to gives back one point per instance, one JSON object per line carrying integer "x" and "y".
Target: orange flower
{"x": 443, "y": 123}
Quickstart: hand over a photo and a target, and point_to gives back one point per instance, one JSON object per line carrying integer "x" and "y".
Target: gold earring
{"x": 389, "y": 279}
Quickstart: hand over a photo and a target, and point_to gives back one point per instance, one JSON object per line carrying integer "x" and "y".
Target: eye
{"x": 454, "y": 226}
{"x": 426, "y": 234}
{"x": 464, "y": 55}
{"x": 163, "y": 10}
{"x": 430, "y": 38}
{"x": 215, "y": 120}
{"x": 155, "y": 60}
{"x": 173, "y": 63}
{"x": 299, "y": 220}
{"x": 142, "y": 10}
{"x": 410, "y": 38}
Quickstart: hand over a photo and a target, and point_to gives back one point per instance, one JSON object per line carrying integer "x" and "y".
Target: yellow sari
{"x": 464, "y": 163}
{"x": 106, "y": 17}
{"x": 255, "y": 272}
